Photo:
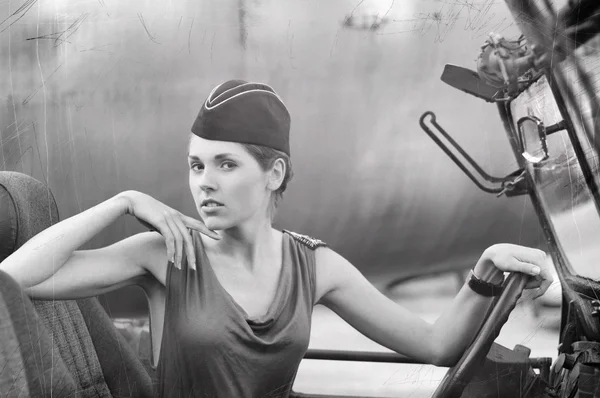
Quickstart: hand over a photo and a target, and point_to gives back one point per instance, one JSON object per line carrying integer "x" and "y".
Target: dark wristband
{"x": 482, "y": 287}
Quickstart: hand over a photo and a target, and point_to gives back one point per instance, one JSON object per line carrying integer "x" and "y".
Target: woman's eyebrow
{"x": 224, "y": 155}
{"x": 217, "y": 157}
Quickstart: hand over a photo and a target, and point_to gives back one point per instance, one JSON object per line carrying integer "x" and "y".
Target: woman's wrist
{"x": 486, "y": 271}
{"x": 123, "y": 202}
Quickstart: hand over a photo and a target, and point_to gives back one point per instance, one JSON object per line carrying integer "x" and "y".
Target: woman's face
{"x": 227, "y": 183}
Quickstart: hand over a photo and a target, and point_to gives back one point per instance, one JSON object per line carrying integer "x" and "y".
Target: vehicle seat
{"x": 55, "y": 348}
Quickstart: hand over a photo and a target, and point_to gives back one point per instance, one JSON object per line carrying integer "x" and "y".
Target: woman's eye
{"x": 196, "y": 166}
{"x": 228, "y": 165}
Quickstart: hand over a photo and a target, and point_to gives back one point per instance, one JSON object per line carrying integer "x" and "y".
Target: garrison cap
{"x": 245, "y": 112}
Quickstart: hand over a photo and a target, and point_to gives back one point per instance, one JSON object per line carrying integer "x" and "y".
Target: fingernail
{"x": 536, "y": 270}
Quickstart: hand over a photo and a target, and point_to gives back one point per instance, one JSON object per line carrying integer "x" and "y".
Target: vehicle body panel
{"x": 100, "y": 98}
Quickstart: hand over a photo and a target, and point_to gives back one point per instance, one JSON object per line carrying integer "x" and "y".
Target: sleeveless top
{"x": 211, "y": 348}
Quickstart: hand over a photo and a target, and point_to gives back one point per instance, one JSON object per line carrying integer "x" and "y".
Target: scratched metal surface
{"x": 99, "y": 96}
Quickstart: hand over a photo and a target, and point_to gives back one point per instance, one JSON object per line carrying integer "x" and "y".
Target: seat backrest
{"x": 30, "y": 361}
{"x": 13, "y": 381}
{"x": 96, "y": 356}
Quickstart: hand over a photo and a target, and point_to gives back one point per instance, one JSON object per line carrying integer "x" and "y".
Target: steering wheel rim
{"x": 457, "y": 377}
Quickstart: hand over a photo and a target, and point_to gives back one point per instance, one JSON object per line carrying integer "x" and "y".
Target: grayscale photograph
{"x": 299, "y": 198}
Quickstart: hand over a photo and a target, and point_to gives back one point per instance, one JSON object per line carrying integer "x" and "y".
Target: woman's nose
{"x": 207, "y": 181}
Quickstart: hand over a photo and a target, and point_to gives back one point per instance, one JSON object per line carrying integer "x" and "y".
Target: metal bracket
{"x": 512, "y": 185}
{"x": 515, "y": 187}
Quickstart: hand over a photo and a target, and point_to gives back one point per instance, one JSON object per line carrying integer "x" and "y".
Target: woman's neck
{"x": 247, "y": 244}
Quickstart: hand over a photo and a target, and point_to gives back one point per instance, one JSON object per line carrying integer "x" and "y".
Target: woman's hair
{"x": 266, "y": 157}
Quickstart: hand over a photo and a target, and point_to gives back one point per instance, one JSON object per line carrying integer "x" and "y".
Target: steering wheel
{"x": 457, "y": 377}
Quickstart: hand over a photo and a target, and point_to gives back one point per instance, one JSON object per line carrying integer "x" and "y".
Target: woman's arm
{"x": 457, "y": 327}
{"x": 343, "y": 289}
{"x": 347, "y": 292}
{"x": 45, "y": 253}
{"x": 137, "y": 260}
{"x": 50, "y": 266}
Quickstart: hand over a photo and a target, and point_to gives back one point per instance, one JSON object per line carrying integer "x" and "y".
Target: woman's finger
{"x": 200, "y": 227}
{"x": 541, "y": 280}
{"x": 165, "y": 231}
{"x": 188, "y": 243}
{"x": 531, "y": 256}
{"x": 533, "y": 283}
{"x": 538, "y": 293}
{"x": 547, "y": 280}
{"x": 178, "y": 240}
{"x": 517, "y": 265}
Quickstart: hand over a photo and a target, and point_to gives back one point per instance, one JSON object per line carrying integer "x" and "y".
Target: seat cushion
{"x": 31, "y": 208}
{"x": 124, "y": 372}
{"x": 79, "y": 332}
{"x": 8, "y": 224}
{"x": 67, "y": 328}
{"x": 42, "y": 365}
{"x": 13, "y": 381}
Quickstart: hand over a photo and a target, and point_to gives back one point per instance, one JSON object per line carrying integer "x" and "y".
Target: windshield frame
{"x": 565, "y": 270}
{"x": 577, "y": 291}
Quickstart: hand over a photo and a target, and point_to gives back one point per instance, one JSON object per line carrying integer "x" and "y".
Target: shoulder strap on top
{"x": 312, "y": 243}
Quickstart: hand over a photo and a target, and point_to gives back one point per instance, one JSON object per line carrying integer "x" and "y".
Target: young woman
{"x": 231, "y": 297}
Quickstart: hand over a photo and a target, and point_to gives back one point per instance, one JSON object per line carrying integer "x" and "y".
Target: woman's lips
{"x": 211, "y": 206}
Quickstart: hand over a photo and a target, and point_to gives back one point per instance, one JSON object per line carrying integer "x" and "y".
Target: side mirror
{"x": 532, "y": 138}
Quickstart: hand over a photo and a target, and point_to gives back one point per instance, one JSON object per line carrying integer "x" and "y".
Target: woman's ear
{"x": 276, "y": 174}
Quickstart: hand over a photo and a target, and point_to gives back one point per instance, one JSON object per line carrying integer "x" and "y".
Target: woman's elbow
{"x": 443, "y": 357}
{"x": 446, "y": 362}
{"x": 446, "y": 359}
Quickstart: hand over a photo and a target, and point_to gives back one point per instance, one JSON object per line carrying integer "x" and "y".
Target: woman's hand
{"x": 506, "y": 257}
{"x": 170, "y": 223}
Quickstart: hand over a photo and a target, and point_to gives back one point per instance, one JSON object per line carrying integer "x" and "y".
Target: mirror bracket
{"x": 512, "y": 185}
{"x": 515, "y": 186}
{"x": 542, "y": 133}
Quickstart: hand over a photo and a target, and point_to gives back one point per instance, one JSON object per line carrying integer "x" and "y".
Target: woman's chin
{"x": 216, "y": 224}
